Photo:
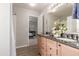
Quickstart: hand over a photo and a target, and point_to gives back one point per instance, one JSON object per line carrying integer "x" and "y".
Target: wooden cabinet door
{"x": 69, "y": 51}
{"x": 51, "y": 48}
{"x": 43, "y": 51}
{"x": 38, "y": 41}
{"x": 59, "y": 49}
{"x": 38, "y": 44}
{"x": 43, "y": 44}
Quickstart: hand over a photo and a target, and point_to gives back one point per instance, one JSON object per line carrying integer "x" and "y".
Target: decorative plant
{"x": 58, "y": 29}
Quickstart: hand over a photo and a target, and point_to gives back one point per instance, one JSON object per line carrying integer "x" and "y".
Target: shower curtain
{"x": 75, "y": 14}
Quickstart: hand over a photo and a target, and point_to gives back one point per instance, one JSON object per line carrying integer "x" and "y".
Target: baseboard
{"x": 22, "y": 46}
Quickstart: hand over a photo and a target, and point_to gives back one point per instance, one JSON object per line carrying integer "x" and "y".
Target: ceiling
{"x": 64, "y": 10}
{"x": 39, "y": 6}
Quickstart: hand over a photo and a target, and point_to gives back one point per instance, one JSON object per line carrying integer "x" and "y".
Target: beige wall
{"x": 22, "y": 25}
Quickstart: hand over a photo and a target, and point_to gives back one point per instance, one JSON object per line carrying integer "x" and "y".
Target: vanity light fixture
{"x": 53, "y": 10}
{"x": 52, "y": 5}
{"x": 32, "y": 4}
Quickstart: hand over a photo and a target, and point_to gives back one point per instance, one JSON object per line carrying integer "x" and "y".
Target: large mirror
{"x": 62, "y": 15}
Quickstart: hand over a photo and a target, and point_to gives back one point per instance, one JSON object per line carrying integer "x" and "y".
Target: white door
{"x": 4, "y": 29}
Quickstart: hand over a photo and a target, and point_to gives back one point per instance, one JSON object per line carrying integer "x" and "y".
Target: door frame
{"x": 28, "y": 26}
{"x": 12, "y": 34}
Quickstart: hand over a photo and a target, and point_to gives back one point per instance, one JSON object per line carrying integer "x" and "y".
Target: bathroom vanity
{"x": 50, "y": 46}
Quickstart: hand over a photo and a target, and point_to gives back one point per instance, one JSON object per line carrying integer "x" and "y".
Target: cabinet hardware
{"x": 50, "y": 48}
{"x": 59, "y": 45}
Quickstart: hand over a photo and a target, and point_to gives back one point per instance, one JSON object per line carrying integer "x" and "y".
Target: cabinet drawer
{"x": 43, "y": 39}
{"x": 69, "y": 51}
{"x": 51, "y": 47}
{"x": 51, "y": 54}
{"x": 43, "y": 53}
{"x": 51, "y": 43}
{"x": 43, "y": 42}
{"x": 51, "y": 51}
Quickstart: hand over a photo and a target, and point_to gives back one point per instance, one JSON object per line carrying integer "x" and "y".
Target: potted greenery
{"x": 58, "y": 29}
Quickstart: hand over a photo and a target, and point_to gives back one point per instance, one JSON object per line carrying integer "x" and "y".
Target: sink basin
{"x": 66, "y": 39}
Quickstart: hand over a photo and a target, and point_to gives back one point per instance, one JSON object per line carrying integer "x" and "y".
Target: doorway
{"x": 33, "y": 29}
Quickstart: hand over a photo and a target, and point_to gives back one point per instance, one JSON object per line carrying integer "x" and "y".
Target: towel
{"x": 75, "y": 11}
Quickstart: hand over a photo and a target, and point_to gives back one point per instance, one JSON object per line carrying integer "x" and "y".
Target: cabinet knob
{"x": 59, "y": 45}
{"x": 50, "y": 48}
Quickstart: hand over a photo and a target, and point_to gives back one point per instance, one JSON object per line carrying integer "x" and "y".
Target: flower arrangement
{"x": 58, "y": 29}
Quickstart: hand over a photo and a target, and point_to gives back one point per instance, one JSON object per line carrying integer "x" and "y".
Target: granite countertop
{"x": 71, "y": 44}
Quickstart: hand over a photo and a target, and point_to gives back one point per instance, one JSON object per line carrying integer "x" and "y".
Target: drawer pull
{"x": 50, "y": 48}
{"x": 59, "y": 45}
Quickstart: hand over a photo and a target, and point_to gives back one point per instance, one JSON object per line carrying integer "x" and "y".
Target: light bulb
{"x": 32, "y": 4}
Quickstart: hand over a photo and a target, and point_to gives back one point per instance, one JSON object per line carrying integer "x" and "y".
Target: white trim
{"x": 22, "y": 46}
{"x": 12, "y": 41}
